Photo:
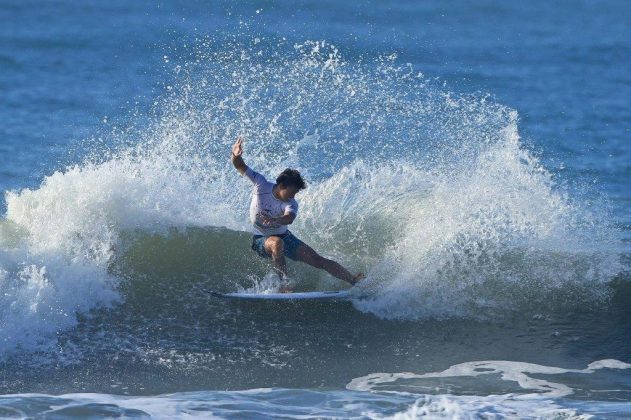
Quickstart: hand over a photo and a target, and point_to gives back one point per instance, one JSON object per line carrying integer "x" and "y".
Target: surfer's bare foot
{"x": 285, "y": 284}
{"x": 357, "y": 277}
{"x": 285, "y": 288}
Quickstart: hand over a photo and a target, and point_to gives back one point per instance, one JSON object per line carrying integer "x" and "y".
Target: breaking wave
{"x": 431, "y": 193}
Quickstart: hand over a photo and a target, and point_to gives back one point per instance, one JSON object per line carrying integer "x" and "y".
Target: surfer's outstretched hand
{"x": 237, "y": 158}
{"x": 237, "y": 147}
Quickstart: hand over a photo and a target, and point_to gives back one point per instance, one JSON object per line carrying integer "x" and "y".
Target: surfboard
{"x": 326, "y": 295}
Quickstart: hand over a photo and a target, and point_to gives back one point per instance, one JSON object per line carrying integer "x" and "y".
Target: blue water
{"x": 472, "y": 158}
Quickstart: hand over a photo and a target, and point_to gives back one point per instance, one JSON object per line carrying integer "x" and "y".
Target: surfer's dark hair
{"x": 291, "y": 178}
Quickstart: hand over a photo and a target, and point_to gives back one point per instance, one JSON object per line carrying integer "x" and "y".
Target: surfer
{"x": 272, "y": 209}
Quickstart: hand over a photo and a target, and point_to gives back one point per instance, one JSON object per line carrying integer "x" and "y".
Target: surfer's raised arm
{"x": 237, "y": 159}
{"x": 238, "y": 162}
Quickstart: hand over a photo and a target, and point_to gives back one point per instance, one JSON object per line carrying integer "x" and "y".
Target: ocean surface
{"x": 472, "y": 158}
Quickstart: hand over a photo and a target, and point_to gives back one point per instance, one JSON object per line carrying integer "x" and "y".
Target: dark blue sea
{"x": 472, "y": 158}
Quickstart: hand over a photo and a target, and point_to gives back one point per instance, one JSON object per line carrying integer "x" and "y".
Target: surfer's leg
{"x": 307, "y": 255}
{"x": 274, "y": 247}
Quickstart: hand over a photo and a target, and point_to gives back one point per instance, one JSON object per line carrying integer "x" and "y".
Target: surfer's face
{"x": 286, "y": 193}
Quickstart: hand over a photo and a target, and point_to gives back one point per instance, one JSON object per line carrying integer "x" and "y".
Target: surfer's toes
{"x": 357, "y": 277}
{"x": 285, "y": 289}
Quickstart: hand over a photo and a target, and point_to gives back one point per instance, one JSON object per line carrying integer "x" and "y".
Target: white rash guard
{"x": 264, "y": 203}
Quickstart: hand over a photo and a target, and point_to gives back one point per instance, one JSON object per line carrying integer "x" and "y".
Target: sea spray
{"x": 498, "y": 235}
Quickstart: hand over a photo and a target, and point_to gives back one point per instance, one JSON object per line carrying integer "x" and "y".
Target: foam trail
{"x": 509, "y": 371}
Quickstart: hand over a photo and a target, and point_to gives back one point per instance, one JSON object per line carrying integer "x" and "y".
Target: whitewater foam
{"x": 544, "y": 398}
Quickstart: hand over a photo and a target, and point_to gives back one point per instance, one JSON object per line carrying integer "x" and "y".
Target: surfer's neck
{"x": 275, "y": 193}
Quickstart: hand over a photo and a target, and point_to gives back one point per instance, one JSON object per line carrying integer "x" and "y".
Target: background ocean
{"x": 473, "y": 158}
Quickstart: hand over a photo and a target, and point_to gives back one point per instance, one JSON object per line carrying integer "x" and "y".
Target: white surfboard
{"x": 328, "y": 295}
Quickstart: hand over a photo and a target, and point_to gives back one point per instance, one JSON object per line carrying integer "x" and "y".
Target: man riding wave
{"x": 272, "y": 209}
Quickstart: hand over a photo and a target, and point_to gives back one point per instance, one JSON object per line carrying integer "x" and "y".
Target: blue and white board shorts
{"x": 290, "y": 242}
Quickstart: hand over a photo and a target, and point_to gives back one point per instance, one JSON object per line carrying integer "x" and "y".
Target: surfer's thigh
{"x": 307, "y": 255}
{"x": 291, "y": 246}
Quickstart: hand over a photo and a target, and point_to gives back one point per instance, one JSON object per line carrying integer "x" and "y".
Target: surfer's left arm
{"x": 286, "y": 219}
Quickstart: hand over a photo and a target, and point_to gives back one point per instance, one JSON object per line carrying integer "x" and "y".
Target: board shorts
{"x": 290, "y": 245}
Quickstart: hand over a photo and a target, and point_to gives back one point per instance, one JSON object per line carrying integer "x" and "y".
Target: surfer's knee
{"x": 274, "y": 245}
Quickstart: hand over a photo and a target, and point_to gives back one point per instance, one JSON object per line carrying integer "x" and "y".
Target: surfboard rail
{"x": 316, "y": 295}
